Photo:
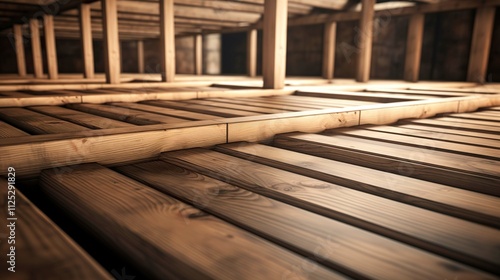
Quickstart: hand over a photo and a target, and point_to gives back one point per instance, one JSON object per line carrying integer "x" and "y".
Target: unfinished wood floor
{"x": 419, "y": 200}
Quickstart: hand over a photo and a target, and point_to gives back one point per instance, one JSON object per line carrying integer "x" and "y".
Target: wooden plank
{"x": 50, "y": 46}
{"x": 468, "y": 121}
{"x": 329, "y": 50}
{"x": 166, "y": 111}
{"x": 430, "y": 94}
{"x": 274, "y": 43}
{"x": 198, "y": 54}
{"x": 456, "y": 125}
{"x": 252, "y": 53}
{"x": 36, "y": 48}
{"x": 167, "y": 40}
{"x": 7, "y": 131}
{"x": 470, "y": 173}
{"x": 80, "y": 118}
{"x": 305, "y": 233}
{"x": 476, "y": 116}
{"x": 361, "y": 96}
{"x": 480, "y": 47}
{"x": 255, "y": 109}
{"x": 36, "y": 123}
{"x": 86, "y": 41}
{"x": 111, "y": 41}
{"x": 41, "y": 247}
{"x": 192, "y": 244}
{"x": 365, "y": 41}
{"x": 414, "y": 47}
{"x": 260, "y": 103}
{"x": 125, "y": 114}
{"x": 19, "y": 47}
{"x": 221, "y": 112}
{"x": 450, "y": 130}
{"x": 459, "y": 239}
{"x": 436, "y": 197}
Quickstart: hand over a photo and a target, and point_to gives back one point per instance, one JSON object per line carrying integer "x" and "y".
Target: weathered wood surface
{"x": 465, "y": 241}
{"x": 471, "y": 173}
{"x": 355, "y": 252}
{"x": 464, "y": 204}
{"x": 166, "y": 238}
{"x": 7, "y": 130}
{"x": 42, "y": 249}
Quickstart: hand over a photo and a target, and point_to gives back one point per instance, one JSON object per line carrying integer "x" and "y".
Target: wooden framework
{"x": 329, "y": 50}
{"x": 36, "y": 48}
{"x": 140, "y": 56}
{"x": 481, "y": 40}
{"x": 365, "y": 38}
{"x": 50, "y": 46}
{"x": 111, "y": 41}
{"x": 198, "y": 54}
{"x": 167, "y": 40}
{"x": 19, "y": 42}
{"x": 252, "y": 53}
{"x": 86, "y": 41}
{"x": 414, "y": 47}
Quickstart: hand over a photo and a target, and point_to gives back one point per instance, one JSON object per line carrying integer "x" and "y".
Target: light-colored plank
{"x": 414, "y": 47}
{"x": 198, "y": 54}
{"x": 274, "y": 43}
{"x": 167, "y": 40}
{"x": 183, "y": 241}
{"x": 50, "y": 46}
{"x": 252, "y": 53}
{"x": 80, "y": 118}
{"x": 329, "y": 50}
{"x": 41, "y": 247}
{"x": 480, "y": 47}
{"x": 360, "y": 252}
{"x": 7, "y": 131}
{"x": 111, "y": 41}
{"x": 365, "y": 41}
{"x": 450, "y": 130}
{"x": 221, "y": 112}
{"x": 86, "y": 41}
{"x": 476, "y": 116}
{"x": 36, "y": 48}
{"x": 37, "y": 123}
{"x": 19, "y": 43}
{"x": 166, "y": 111}
{"x": 452, "y": 237}
{"x": 462, "y": 125}
{"x": 256, "y": 109}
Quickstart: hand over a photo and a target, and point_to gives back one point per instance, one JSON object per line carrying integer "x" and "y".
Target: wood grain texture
{"x": 365, "y": 39}
{"x": 436, "y": 197}
{"x": 256, "y": 109}
{"x": 457, "y": 124}
{"x": 86, "y": 40}
{"x": 42, "y": 249}
{"x": 7, "y": 131}
{"x": 476, "y": 116}
{"x": 470, "y": 173}
{"x": 19, "y": 47}
{"x": 353, "y": 251}
{"x": 261, "y": 103}
{"x": 274, "y": 43}
{"x": 467, "y": 242}
{"x": 252, "y": 53}
{"x": 36, "y": 48}
{"x": 166, "y": 238}
{"x": 449, "y": 130}
{"x": 329, "y": 50}
{"x": 36, "y": 123}
{"x": 167, "y": 40}
{"x": 50, "y": 46}
{"x": 166, "y": 111}
{"x": 414, "y": 47}
{"x": 111, "y": 41}
{"x": 481, "y": 41}
{"x": 80, "y": 118}
{"x": 221, "y": 112}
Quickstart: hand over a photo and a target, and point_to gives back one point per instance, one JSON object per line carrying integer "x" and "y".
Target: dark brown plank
{"x": 7, "y": 131}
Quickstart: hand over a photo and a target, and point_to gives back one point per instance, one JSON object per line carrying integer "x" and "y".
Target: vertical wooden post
{"x": 480, "y": 47}
{"x": 365, "y": 41}
{"x": 19, "y": 42}
{"x": 329, "y": 50}
{"x": 50, "y": 46}
{"x": 86, "y": 41}
{"x": 140, "y": 56}
{"x": 274, "y": 45}
{"x": 252, "y": 53}
{"x": 36, "y": 48}
{"x": 167, "y": 40}
{"x": 111, "y": 41}
{"x": 198, "y": 52}
{"x": 414, "y": 47}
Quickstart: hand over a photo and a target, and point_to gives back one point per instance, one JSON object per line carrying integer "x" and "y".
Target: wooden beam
{"x": 111, "y": 42}
{"x": 329, "y": 50}
{"x": 365, "y": 41}
{"x": 140, "y": 56}
{"x": 36, "y": 48}
{"x": 19, "y": 42}
{"x": 167, "y": 40}
{"x": 252, "y": 52}
{"x": 198, "y": 54}
{"x": 414, "y": 47}
{"x": 274, "y": 45}
{"x": 86, "y": 40}
{"x": 50, "y": 46}
{"x": 481, "y": 40}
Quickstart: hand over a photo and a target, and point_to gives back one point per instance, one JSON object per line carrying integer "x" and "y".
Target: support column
{"x": 36, "y": 48}
{"x": 167, "y": 40}
{"x": 329, "y": 50}
{"x": 252, "y": 53}
{"x": 274, "y": 45}
{"x": 19, "y": 43}
{"x": 140, "y": 56}
{"x": 111, "y": 41}
{"x": 414, "y": 47}
{"x": 86, "y": 41}
{"x": 198, "y": 52}
{"x": 50, "y": 46}
{"x": 480, "y": 47}
{"x": 365, "y": 40}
